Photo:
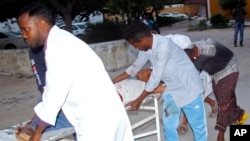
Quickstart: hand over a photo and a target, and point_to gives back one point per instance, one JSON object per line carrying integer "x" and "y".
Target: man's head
{"x": 138, "y": 35}
{"x": 144, "y": 74}
{"x": 192, "y": 52}
{"x": 35, "y": 21}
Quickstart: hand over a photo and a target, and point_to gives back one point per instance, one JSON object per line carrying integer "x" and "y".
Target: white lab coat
{"x": 77, "y": 83}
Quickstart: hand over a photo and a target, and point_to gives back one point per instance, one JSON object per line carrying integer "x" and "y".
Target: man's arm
{"x": 39, "y": 130}
{"x": 160, "y": 88}
{"x": 134, "y": 105}
{"x": 121, "y": 77}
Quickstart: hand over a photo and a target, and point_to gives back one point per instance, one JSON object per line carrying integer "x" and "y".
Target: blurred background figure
{"x": 239, "y": 17}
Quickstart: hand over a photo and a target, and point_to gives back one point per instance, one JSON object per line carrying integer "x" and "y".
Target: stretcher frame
{"x": 155, "y": 116}
{"x": 8, "y": 134}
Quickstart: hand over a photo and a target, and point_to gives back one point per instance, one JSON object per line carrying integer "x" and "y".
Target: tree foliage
{"x": 70, "y": 8}
{"x": 231, "y": 4}
{"x": 9, "y": 8}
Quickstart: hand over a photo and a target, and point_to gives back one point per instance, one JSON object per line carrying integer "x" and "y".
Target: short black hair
{"x": 188, "y": 51}
{"x": 136, "y": 30}
{"x": 39, "y": 10}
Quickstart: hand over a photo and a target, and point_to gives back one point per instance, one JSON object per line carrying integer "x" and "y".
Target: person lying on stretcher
{"x": 130, "y": 89}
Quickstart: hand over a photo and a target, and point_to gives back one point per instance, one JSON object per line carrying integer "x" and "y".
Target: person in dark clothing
{"x": 38, "y": 66}
{"x": 223, "y": 66}
{"x": 239, "y": 16}
{"x": 151, "y": 23}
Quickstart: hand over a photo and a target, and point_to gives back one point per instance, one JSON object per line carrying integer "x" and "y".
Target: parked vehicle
{"x": 9, "y": 40}
{"x": 174, "y": 15}
{"x": 77, "y": 28}
{"x": 180, "y": 15}
{"x": 166, "y": 15}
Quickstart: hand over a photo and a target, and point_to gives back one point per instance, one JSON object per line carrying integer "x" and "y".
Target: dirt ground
{"x": 19, "y": 95}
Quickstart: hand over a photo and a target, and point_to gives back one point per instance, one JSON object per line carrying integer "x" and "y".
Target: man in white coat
{"x": 73, "y": 73}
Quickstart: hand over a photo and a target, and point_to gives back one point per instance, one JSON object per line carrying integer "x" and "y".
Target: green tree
{"x": 70, "y": 8}
{"x": 231, "y": 4}
{"x": 67, "y": 8}
{"x": 9, "y": 8}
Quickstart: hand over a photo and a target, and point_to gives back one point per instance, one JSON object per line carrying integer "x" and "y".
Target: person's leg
{"x": 170, "y": 117}
{"x": 61, "y": 122}
{"x": 236, "y": 30}
{"x": 26, "y": 132}
{"x": 183, "y": 127}
{"x": 213, "y": 105}
{"x": 197, "y": 121}
{"x": 228, "y": 110}
{"x": 241, "y": 33}
{"x": 220, "y": 136}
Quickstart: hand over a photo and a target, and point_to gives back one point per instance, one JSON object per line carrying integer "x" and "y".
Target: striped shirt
{"x": 206, "y": 47}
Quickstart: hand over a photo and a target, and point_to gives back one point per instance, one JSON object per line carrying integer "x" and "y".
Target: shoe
{"x": 241, "y": 43}
{"x": 235, "y": 43}
{"x": 243, "y": 119}
{"x": 214, "y": 111}
{"x": 182, "y": 129}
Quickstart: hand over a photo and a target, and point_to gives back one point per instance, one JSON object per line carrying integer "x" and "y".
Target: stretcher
{"x": 8, "y": 134}
{"x": 154, "y": 115}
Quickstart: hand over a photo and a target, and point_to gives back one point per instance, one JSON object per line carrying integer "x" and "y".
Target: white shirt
{"x": 171, "y": 65}
{"x": 207, "y": 83}
{"x": 77, "y": 83}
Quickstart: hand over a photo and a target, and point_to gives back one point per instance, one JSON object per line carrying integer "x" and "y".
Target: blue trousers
{"x": 61, "y": 122}
{"x": 238, "y": 27}
{"x": 194, "y": 112}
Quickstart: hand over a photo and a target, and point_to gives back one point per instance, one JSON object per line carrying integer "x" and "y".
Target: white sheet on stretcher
{"x": 129, "y": 89}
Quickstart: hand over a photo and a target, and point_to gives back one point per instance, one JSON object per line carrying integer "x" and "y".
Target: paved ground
{"x": 18, "y": 95}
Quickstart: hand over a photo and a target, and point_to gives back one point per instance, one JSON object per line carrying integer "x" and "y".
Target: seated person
{"x": 130, "y": 89}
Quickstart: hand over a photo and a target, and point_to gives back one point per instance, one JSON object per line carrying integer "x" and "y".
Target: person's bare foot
{"x": 182, "y": 129}
{"x": 220, "y": 136}
{"x": 214, "y": 110}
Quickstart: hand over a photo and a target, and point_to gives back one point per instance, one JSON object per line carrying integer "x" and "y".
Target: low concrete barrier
{"x": 114, "y": 54}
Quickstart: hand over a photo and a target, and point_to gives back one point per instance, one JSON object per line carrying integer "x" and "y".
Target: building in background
{"x": 204, "y": 8}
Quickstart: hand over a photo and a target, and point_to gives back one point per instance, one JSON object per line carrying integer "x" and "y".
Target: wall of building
{"x": 115, "y": 55}
{"x": 190, "y": 9}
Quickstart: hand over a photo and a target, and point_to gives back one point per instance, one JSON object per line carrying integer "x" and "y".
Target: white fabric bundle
{"x": 129, "y": 89}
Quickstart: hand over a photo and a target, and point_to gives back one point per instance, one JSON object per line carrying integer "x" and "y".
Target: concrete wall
{"x": 114, "y": 54}
{"x": 15, "y": 62}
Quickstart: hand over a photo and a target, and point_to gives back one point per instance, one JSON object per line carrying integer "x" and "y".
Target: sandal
{"x": 182, "y": 129}
{"x": 214, "y": 111}
{"x": 243, "y": 119}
